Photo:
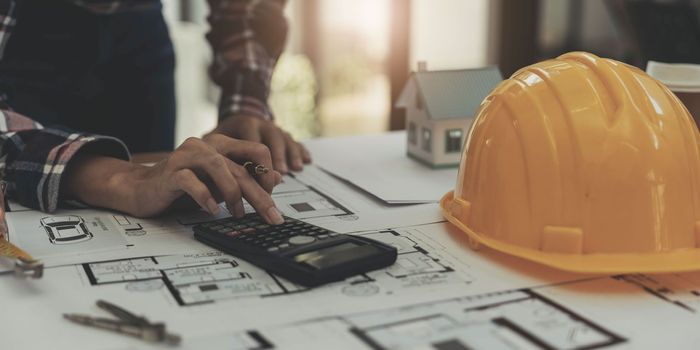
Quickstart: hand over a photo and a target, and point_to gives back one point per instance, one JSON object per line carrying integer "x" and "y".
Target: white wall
{"x": 450, "y": 34}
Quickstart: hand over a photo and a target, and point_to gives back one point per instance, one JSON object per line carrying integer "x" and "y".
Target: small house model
{"x": 440, "y": 108}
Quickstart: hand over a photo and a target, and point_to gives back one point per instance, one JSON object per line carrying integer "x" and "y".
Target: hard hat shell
{"x": 584, "y": 164}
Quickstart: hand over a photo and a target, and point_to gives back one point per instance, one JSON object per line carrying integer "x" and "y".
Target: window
{"x": 412, "y": 133}
{"x": 453, "y": 140}
{"x": 427, "y": 141}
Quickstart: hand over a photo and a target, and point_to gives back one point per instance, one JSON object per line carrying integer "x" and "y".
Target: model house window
{"x": 453, "y": 140}
{"x": 427, "y": 140}
{"x": 412, "y": 133}
{"x": 419, "y": 102}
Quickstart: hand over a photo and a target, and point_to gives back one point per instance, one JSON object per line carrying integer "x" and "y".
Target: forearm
{"x": 247, "y": 37}
{"x": 35, "y": 158}
{"x": 104, "y": 182}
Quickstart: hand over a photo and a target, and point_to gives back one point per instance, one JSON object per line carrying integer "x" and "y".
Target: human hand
{"x": 286, "y": 153}
{"x": 206, "y": 169}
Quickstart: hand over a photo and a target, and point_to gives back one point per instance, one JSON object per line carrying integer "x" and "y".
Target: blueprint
{"x": 59, "y": 234}
{"x": 81, "y": 235}
{"x": 213, "y": 276}
{"x": 617, "y": 312}
{"x": 440, "y": 294}
{"x": 517, "y": 319}
{"x": 196, "y": 291}
{"x": 437, "y": 296}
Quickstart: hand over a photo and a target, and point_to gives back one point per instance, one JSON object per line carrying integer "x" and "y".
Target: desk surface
{"x": 439, "y": 295}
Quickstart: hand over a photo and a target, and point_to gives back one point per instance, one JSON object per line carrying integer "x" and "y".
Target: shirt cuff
{"x": 247, "y": 94}
{"x": 35, "y": 179}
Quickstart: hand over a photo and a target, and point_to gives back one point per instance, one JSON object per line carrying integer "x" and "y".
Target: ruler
{"x": 25, "y": 264}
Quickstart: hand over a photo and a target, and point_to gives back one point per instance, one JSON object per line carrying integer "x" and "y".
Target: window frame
{"x": 448, "y": 138}
{"x": 427, "y": 146}
{"x": 412, "y": 133}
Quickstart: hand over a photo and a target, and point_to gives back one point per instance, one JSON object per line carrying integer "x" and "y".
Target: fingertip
{"x": 297, "y": 165}
{"x": 278, "y": 178}
{"x": 212, "y": 207}
{"x": 274, "y": 216}
{"x": 239, "y": 210}
{"x": 306, "y": 156}
{"x": 282, "y": 168}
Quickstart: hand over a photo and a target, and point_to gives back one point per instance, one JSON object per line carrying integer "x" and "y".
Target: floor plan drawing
{"x": 117, "y": 235}
{"x": 205, "y": 278}
{"x": 129, "y": 225}
{"x": 483, "y": 322}
{"x": 191, "y": 279}
{"x": 306, "y": 204}
{"x": 682, "y": 290}
{"x": 66, "y": 229}
{"x": 292, "y": 198}
{"x": 520, "y": 319}
{"x": 63, "y": 233}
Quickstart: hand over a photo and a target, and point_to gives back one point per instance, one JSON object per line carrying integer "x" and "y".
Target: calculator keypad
{"x": 253, "y": 231}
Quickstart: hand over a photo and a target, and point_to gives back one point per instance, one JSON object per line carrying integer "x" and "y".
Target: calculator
{"x": 298, "y": 251}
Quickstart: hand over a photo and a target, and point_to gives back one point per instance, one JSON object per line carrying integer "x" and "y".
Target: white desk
{"x": 439, "y": 295}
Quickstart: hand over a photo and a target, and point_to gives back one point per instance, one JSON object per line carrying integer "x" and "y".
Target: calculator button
{"x": 322, "y": 236}
{"x": 248, "y": 230}
{"x": 283, "y": 245}
{"x": 233, "y": 233}
{"x": 273, "y": 249}
{"x": 298, "y": 240}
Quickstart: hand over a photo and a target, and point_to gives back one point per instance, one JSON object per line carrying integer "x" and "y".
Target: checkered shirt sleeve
{"x": 247, "y": 37}
{"x": 34, "y": 158}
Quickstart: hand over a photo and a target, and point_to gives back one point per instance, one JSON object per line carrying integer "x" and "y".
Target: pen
{"x": 255, "y": 169}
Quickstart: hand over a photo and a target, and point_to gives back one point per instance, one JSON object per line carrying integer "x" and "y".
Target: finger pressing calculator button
{"x": 301, "y": 240}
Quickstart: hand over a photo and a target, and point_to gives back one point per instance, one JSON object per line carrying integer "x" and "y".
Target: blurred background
{"x": 346, "y": 61}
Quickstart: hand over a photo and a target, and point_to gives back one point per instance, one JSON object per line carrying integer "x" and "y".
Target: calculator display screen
{"x": 334, "y": 255}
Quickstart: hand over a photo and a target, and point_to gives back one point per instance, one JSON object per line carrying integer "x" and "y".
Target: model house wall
{"x": 440, "y": 108}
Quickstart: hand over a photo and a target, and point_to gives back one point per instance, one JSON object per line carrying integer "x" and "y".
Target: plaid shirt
{"x": 247, "y": 37}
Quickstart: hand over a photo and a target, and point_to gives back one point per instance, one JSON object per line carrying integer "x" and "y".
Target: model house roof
{"x": 450, "y": 93}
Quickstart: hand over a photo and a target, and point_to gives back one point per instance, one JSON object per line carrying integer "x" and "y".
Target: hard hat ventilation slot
{"x": 461, "y": 209}
{"x": 564, "y": 240}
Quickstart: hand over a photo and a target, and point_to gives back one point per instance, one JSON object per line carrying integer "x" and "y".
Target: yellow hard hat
{"x": 584, "y": 164}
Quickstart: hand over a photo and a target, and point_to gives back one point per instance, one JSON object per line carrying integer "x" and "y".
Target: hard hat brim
{"x": 680, "y": 260}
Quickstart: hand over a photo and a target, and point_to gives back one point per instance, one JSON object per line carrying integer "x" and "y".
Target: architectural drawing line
{"x": 613, "y": 338}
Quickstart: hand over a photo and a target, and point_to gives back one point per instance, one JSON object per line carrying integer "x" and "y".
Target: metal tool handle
{"x": 122, "y": 313}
